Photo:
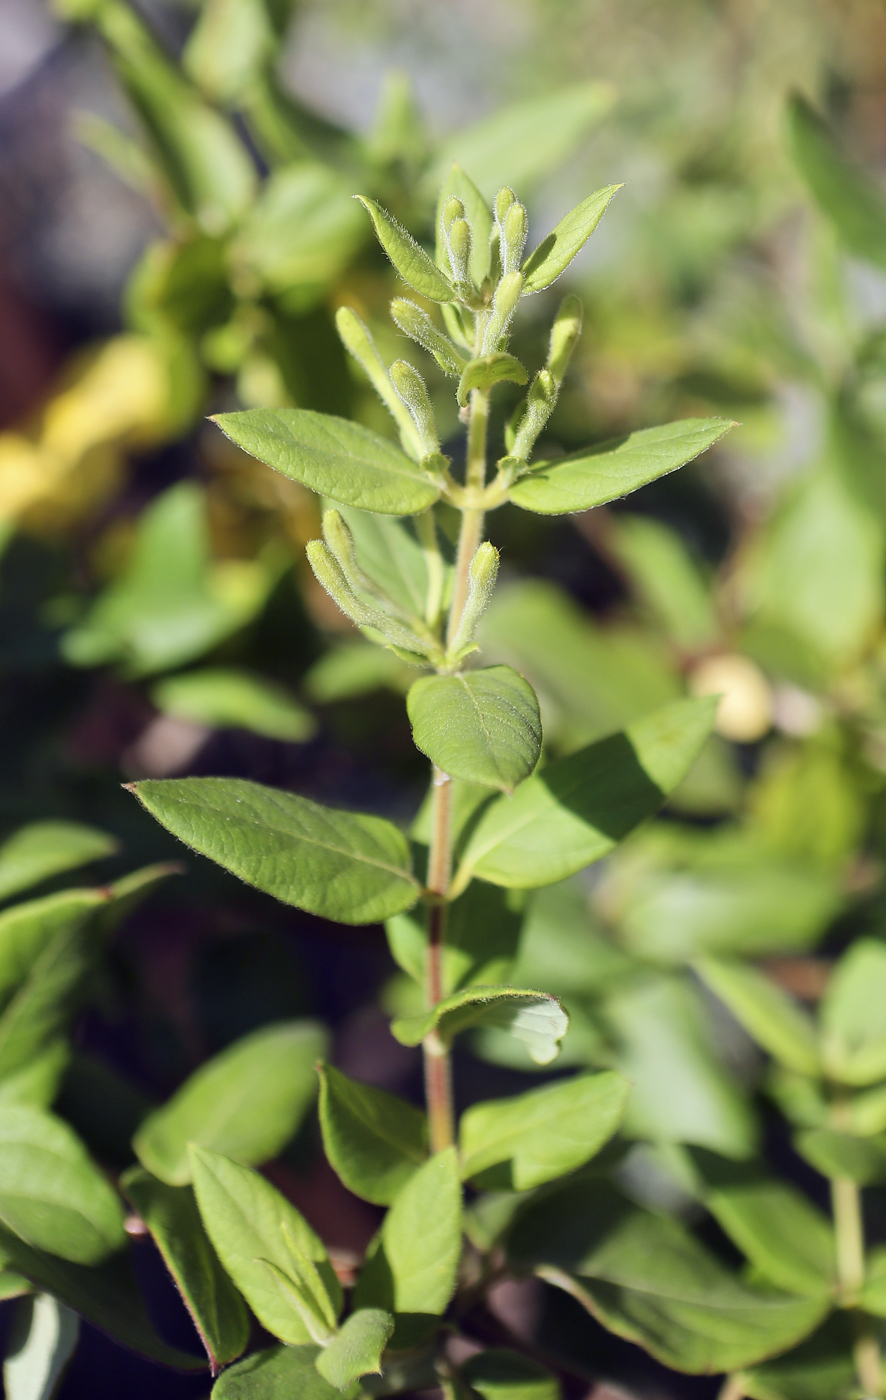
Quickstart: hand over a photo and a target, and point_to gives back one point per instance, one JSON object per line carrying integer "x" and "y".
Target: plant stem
{"x": 471, "y": 519}
{"x": 438, "y": 1071}
{"x": 732, "y": 1388}
{"x": 849, "y": 1230}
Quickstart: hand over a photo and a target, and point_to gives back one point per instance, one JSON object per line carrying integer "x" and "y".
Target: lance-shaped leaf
{"x": 646, "y": 1278}
{"x": 533, "y": 1017}
{"x": 41, "y": 1342}
{"x": 421, "y": 1236}
{"x": 498, "y": 1374}
{"x": 224, "y": 698}
{"x": 457, "y": 185}
{"x": 51, "y": 1195}
{"x": 482, "y": 726}
{"x": 854, "y": 205}
{"x": 36, "y": 852}
{"x": 489, "y": 370}
{"x": 411, "y": 261}
{"x": 246, "y": 1102}
{"x": 606, "y": 472}
{"x": 341, "y": 865}
{"x": 374, "y": 1140}
{"x": 520, "y": 1142}
{"x": 252, "y": 1226}
{"x": 554, "y": 254}
{"x": 278, "y": 1373}
{"x": 334, "y": 457}
{"x": 171, "y": 1215}
{"x": 776, "y": 1022}
{"x": 577, "y": 809}
{"x": 357, "y": 1348}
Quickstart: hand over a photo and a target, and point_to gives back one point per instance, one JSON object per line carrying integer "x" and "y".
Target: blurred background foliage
{"x": 176, "y": 232}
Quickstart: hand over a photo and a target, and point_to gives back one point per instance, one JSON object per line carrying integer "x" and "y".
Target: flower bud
{"x": 540, "y": 403}
{"x": 483, "y": 574}
{"x": 414, "y": 393}
{"x": 504, "y": 304}
{"x": 460, "y": 249}
{"x": 564, "y": 336}
{"x": 514, "y": 228}
{"x": 415, "y": 322}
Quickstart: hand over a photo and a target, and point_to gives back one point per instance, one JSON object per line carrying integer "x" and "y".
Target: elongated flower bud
{"x": 460, "y": 250}
{"x": 483, "y": 573}
{"x": 415, "y": 322}
{"x": 504, "y": 304}
{"x": 358, "y": 342}
{"x": 564, "y": 336}
{"x": 514, "y": 228}
{"x": 540, "y": 403}
{"x": 414, "y": 393}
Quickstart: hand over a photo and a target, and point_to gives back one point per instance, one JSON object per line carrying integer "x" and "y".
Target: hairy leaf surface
{"x": 482, "y": 726}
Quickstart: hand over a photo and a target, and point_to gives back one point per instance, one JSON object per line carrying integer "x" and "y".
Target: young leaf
{"x": 422, "y": 1236}
{"x": 374, "y": 1140}
{"x": 854, "y": 205}
{"x": 246, "y": 1102}
{"x": 862, "y": 1160}
{"x": 853, "y": 1015}
{"x": 251, "y": 1225}
{"x": 36, "y": 852}
{"x": 171, "y": 1215}
{"x": 482, "y": 726}
{"x": 498, "y": 1374}
{"x": 224, "y": 698}
{"x": 479, "y": 217}
{"x": 42, "y": 1339}
{"x": 577, "y": 809}
{"x": 611, "y": 470}
{"x": 357, "y": 1348}
{"x": 411, "y": 261}
{"x": 778, "y": 1024}
{"x": 278, "y": 1373}
{"x": 554, "y": 254}
{"x": 51, "y": 1195}
{"x": 535, "y": 1137}
{"x": 532, "y": 1017}
{"x": 489, "y": 370}
{"x": 334, "y": 457}
{"x": 341, "y": 865}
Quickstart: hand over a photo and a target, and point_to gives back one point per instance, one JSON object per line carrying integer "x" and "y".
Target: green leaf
{"x": 42, "y": 1339}
{"x": 357, "y": 1348}
{"x": 821, "y": 1368}
{"x": 770, "y": 1017}
{"x": 577, "y": 809}
{"x": 216, "y": 1308}
{"x": 666, "y": 577}
{"x": 479, "y": 217}
{"x": 482, "y": 726}
{"x": 533, "y": 1017}
{"x": 483, "y": 929}
{"x": 36, "y": 1084}
{"x": 412, "y": 262}
{"x": 852, "y": 202}
{"x": 36, "y": 852}
{"x": 229, "y": 48}
{"x": 251, "y": 1225}
{"x": 27, "y": 930}
{"x": 341, "y": 865}
{"x": 422, "y": 1236}
{"x": 105, "y": 1295}
{"x": 853, "y": 1015}
{"x": 231, "y": 699}
{"x": 646, "y": 1278}
{"x": 51, "y": 1195}
{"x": 524, "y": 141}
{"x": 787, "y": 1239}
{"x": 374, "y": 1140}
{"x": 246, "y": 1102}
{"x": 489, "y": 370}
{"x": 611, "y": 470}
{"x": 301, "y": 234}
{"x": 498, "y": 1374}
{"x": 535, "y": 1137}
{"x": 873, "y": 1294}
{"x": 279, "y": 1373}
{"x": 554, "y": 254}
{"x": 862, "y": 1160}
{"x": 334, "y": 457}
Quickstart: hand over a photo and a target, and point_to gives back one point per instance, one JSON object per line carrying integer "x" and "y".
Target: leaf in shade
{"x": 821, "y": 1368}
{"x": 533, "y": 1017}
{"x": 834, "y": 1154}
{"x": 36, "y": 852}
{"x": 577, "y": 809}
{"x": 498, "y": 1374}
{"x": 246, "y": 1102}
{"x": 484, "y": 373}
{"x": 774, "y": 1021}
{"x": 853, "y": 203}
{"x": 422, "y": 1236}
{"x": 482, "y": 726}
{"x": 279, "y": 1373}
{"x": 852, "y": 1015}
{"x": 374, "y": 1140}
{"x": 356, "y": 1349}
{"x": 554, "y": 254}
{"x": 483, "y": 930}
{"x": 521, "y": 1142}
{"x": 607, "y": 472}
{"x": 171, "y": 1215}
{"x": 41, "y": 1342}
{"x": 232, "y": 699}
{"x": 341, "y": 865}
{"x": 334, "y": 457}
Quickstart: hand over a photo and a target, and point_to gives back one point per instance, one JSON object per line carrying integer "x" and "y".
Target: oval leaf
{"x": 357, "y": 1348}
{"x": 334, "y": 457}
{"x": 278, "y": 1373}
{"x": 246, "y": 1102}
{"x": 422, "y": 1236}
{"x": 341, "y": 865}
{"x": 554, "y": 254}
{"x": 482, "y": 726}
{"x": 577, "y": 809}
{"x": 489, "y": 370}
{"x": 533, "y": 1017}
{"x": 51, "y": 1195}
{"x": 604, "y": 473}
{"x": 374, "y": 1140}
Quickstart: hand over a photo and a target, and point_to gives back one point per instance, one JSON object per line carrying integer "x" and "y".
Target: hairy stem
{"x": 849, "y": 1230}
{"x": 471, "y": 531}
{"x": 438, "y": 1072}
